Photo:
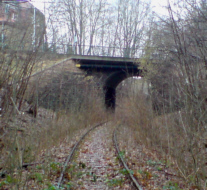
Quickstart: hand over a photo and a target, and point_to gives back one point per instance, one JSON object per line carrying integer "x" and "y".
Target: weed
{"x": 8, "y": 181}
{"x": 69, "y": 185}
{"x": 82, "y": 165}
{"x": 79, "y": 174}
{"x": 71, "y": 167}
{"x": 4, "y": 183}
{"x": 147, "y": 174}
{"x": 55, "y": 166}
{"x": 171, "y": 186}
{"x": 140, "y": 171}
{"x": 121, "y": 154}
{"x": 159, "y": 169}
{"x": 37, "y": 176}
{"x": 52, "y": 187}
{"x": 115, "y": 182}
{"x": 155, "y": 176}
{"x": 153, "y": 163}
{"x": 126, "y": 172}
{"x": 94, "y": 178}
{"x": 39, "y": 167}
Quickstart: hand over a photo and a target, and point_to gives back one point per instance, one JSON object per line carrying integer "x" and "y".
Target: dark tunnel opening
{"x": 110, "y": 98}
{"x": 110, "y": 85}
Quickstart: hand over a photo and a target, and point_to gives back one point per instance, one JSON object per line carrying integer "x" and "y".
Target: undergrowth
{"x": 34, "y": 125}
{"x": 177, "y": 136}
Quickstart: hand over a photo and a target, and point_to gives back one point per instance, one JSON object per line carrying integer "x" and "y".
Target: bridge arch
{"x": 113, "y": 80}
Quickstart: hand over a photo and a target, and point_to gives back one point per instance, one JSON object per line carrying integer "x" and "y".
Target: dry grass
{"x": 70, "y": 109}
{"x": 26, "y": 144}
{"x": 178, "y": 137}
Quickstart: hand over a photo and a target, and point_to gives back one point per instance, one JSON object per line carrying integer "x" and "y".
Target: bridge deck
{"x": 104, "y": 58}
{"x": 105, "y": 63}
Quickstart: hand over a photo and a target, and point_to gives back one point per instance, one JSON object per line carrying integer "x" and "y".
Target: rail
{"x": 69, "y": 158}
{"x": 136, "y": 184}
{"x": 114, "y": 136}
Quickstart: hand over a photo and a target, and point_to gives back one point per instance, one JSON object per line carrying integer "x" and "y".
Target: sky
{"x": 156, "y": 4}
{"x": 40, "y": 4}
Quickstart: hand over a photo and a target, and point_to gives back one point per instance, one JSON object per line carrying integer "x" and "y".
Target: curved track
{"x": 122, "y": 161}
{"x": 69, "y": 158}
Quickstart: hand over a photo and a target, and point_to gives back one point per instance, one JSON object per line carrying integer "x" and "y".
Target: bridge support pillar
{"x": 110, "y": 98}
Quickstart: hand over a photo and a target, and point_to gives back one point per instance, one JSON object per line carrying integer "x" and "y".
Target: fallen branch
{"x": 25, "y": 165}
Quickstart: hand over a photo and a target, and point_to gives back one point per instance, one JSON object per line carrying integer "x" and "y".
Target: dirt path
{"x": 96, "y": 165}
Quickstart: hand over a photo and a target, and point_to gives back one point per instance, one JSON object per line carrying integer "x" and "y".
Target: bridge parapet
{"x": 96, "y": 50}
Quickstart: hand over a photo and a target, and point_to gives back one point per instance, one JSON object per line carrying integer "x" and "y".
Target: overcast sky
{"x": 156, "y": 4}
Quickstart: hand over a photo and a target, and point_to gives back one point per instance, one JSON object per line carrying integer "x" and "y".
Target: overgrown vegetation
{"x": 177, "y": 126}
{"x": 29, "y": 131}
{"x": 40, "y": 112}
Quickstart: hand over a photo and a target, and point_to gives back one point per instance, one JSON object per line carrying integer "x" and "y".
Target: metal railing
{"x": 95, "y": 50}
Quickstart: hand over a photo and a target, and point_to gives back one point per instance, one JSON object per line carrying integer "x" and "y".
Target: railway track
{"x": 113, "y": 134}
{"x": 69, "y": 158}
{"x": 123, "y": 162}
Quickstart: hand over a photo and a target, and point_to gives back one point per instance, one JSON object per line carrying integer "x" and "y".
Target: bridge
{"x": 115, "y": 70}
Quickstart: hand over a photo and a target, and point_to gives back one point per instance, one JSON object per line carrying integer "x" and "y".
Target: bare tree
{"x": 100, "y": 23}
{"x": 179, "y": 43}
{"x": 130, "y": 25}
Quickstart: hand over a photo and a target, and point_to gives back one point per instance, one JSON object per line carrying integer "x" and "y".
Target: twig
{"x": 15, "y": 106}
{"x": 194, "y": 173}
{"x": 170, "y": 174}
{"x": 181, "y": 172}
